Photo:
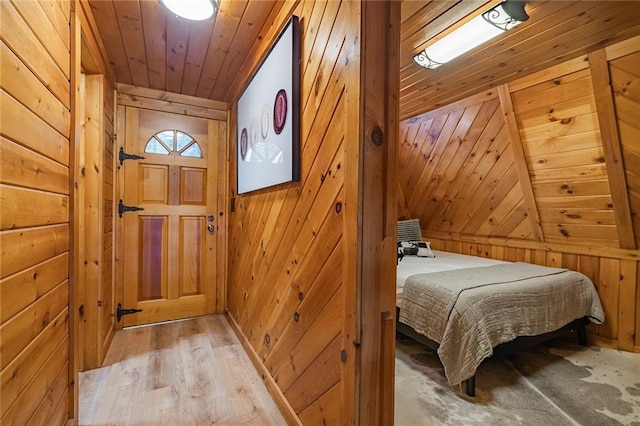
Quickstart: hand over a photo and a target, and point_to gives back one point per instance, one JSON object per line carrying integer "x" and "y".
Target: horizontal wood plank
{"x": 26, "y": 128}
{"x": 16, "y": 376}
{"x": 22, "y": 289}
{"x": 54, "y": 408}
{"x": 40, "y": 24}
{"x": 19, "y": 331}
{"x": 24, "y": 208}
{"x": 29, "y": 400}
{"x": 23, "y": 167}
{"x": 22, "y": 84}
{"x": 22, "y": 249}
{"x": 18, "y": 37}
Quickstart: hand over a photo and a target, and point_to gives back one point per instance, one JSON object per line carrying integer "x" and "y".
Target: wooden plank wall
{"x": 94, "y": 157}
{"x": 542, "y": 169}
{"x": 109, "y": 164}
{"x": 286, "y": 249}
{"x": 34, "y": 202}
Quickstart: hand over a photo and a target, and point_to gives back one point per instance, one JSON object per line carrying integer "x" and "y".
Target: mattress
{"x": 444, "y": 261}
{"x": 470, "y": 309}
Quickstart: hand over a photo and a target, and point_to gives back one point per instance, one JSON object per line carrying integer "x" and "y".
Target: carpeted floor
{"x": 558, "y": 383}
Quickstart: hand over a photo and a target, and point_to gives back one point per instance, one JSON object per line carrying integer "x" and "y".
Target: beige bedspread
{"x": 470, "y": 311}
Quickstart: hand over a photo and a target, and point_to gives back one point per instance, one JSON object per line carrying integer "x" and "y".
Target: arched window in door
{"x": 173, "y": 142}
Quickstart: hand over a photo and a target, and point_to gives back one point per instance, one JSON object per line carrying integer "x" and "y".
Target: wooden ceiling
{"x": 555, "y": 32}
{"x": 150, "y": 48}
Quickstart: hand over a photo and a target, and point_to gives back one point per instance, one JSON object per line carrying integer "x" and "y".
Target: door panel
{"x": 169, "y": 254}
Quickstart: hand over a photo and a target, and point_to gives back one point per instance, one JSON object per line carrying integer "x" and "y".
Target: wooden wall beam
{"x": 600, "y": 251}
{"x": 93, "y": 212}
{"x": 76, "y": 295}
{"x": 92, "y": 42}
{"x": 623, "y": 48}
{"x": 373, "y": 96}
{"x": 520, "y": 161}
{"x": 601, "y": 80}
{"x": 157, "y": 100}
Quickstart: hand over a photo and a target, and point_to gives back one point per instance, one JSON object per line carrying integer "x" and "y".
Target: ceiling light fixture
{"x": 194, "y": 10}
{"x": 478, "y": 30}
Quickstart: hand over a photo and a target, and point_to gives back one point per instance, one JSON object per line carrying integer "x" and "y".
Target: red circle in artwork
{"x": 244, "y": 138}
{"x": 280, "y": 111}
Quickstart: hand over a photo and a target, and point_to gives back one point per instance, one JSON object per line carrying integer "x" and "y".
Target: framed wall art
{"x": 268, "y": 119}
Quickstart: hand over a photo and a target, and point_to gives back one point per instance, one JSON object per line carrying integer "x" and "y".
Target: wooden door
{"x": 169, "y": 247}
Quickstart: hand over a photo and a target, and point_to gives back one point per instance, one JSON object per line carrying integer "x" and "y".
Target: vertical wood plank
{"x": 211, "y": 238}
{"x": 76, "y": 278}
{"x": 608, "y": 285}
{"x": 378, "y": 143}
{"x": 130, "y": 192}
{"x": 554, "y": 259}
{"x": 627, "y": 310}
{"x": 222, "y": 199}
{"x": 93, "y": 216}
{"x": 351, "y": 233}
{"x": 612, "y": 148}
{"x": 119, "y": 223}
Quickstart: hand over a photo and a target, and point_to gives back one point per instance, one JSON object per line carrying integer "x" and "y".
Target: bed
{"x": 470, "y": 307}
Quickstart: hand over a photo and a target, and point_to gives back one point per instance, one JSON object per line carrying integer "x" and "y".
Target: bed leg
{"x": 582, "y": 335}
{"x": 471, "y": 385}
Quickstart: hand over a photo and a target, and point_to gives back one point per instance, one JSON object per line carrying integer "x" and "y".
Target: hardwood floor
{"x": 186, "y": 372}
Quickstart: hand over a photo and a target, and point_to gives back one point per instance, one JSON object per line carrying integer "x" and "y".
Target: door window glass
{"x": 173, "y": 142}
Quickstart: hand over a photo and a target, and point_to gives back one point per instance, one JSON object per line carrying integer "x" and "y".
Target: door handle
{"x": 211, "y": 228}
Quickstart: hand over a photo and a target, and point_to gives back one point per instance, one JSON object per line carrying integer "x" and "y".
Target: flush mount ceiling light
{"x": 478, "y": 30}
{"x": 194, "y": 10}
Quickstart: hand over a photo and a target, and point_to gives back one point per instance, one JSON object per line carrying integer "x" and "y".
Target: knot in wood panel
{"x": 376, "y": 136}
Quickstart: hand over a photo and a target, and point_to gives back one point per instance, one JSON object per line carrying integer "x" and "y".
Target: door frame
{"x": 217, "y": 115}
{"x": 90, "y": 78}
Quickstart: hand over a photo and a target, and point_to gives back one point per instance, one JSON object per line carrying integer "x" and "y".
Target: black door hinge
{"x": 122, "y": 208}
{"x": 122, "y": 156}
{"x": 120, "y": 312}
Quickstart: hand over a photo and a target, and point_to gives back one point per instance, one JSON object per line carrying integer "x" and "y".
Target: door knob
{"x": 211, "y": 228}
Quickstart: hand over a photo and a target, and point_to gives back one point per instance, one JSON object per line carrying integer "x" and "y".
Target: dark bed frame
{"x": 507, "y": 348}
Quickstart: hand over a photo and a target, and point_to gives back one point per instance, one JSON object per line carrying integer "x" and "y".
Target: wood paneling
{"x": 170, "y": 102}
{"x": 151, "y": 48}
{"x": 563, "y": 187}
{"x": 293, "y": 249}
{"x": 17, "y": 34}
{"x": 92, "y": 167}
{"x": 109, "y": 164}
{"x": 625, "y": 74}
{"x": 279, "y": 241}
{"x": 555, "y": 32}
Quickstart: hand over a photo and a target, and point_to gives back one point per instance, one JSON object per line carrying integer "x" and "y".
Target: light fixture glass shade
{"x": 194, "y": 10}
{"x": 480, "y": 29}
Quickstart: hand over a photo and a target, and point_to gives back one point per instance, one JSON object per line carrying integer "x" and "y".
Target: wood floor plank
{"x": 185, "y": 372}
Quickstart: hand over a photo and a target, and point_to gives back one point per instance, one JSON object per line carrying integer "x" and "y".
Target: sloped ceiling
{"x": 555, "y": 32}
{"x": 150, "y": 48}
